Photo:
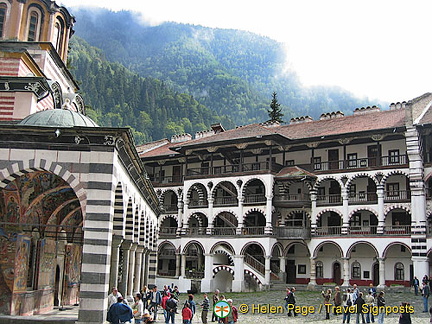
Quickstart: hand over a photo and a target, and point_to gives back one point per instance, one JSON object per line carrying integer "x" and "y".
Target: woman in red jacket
{"x": 233, "y": 316}
{"x": 187, "y": 314}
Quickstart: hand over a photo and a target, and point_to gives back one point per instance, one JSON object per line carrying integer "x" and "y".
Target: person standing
{"x": 155, "y": 301}
{"x": 416, "y": 284}
{"x": 113, "y": 297}
{"x": 425, "y": 294}
{"x": 327, "y": 305}
{"x": 192, "y": 305}
{"x": 138, "y": 309}
{"x": 337, "y": 300}
{"x": 347, "y": 303}
{"x": 359, "y": 302}
{"x": 370, "y": 300}
{"x": 119, "y": 312}
{"x": 381, "y": 303}
{"x": 291, "y": 301}
{"x": 171, "y": 309}
{"x": 405, "y": 318}
{"x": 205, "y": 308}
{"x": 215, "y": 299}
{"x": 186, "y": 314}
{"x": 165, "y": 297}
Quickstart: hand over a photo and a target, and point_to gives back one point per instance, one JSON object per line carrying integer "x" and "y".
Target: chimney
{"x": 366, "y": 110}
{"x": 302, "y": 119}
{"x": 181, "y": 138}
{"x": 332, "y": 115}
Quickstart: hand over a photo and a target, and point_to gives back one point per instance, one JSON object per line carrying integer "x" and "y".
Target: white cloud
{"x": 379, "y": 49}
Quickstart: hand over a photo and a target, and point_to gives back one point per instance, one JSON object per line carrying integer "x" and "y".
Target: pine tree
{"x": 275, "y": 111}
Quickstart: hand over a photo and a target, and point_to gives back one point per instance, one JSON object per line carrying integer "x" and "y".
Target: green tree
{"x": 275, "y": 111}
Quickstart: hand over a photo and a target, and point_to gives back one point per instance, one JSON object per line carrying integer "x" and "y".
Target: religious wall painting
{"x": 23, "y": 245}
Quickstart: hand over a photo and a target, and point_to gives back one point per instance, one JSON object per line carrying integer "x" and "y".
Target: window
{"x": 399, "y": 271}
{"x": 3, "y": 15}
{"x": 393, "y": 156}
{"x": 352, "y": 160}
{"x": 393, "y": 190}
{"x": 289, "y": 163}
{"x": 352, "y": 191}
{"x": 58, "y": 35}
{"x": 317, "y": 163}
{"x": 356, "y": 220}
{"x": 33, "y": 26}
{"x": 319, "y": 269}
{"x": 301, "y": 269}
{"x": 356, "y": 270}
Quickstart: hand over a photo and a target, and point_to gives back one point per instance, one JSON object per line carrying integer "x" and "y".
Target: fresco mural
{"x": 38, "y": 206}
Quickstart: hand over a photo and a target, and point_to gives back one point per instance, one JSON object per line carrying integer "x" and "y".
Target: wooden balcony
{"x": 302, "y": 233}
{"x": 334, "y": 199}
{"x": 255, "y": 199}
{"x": 397, "y": 195}
{"x": 402, "y": 230}
{"x": 165, "y": 232}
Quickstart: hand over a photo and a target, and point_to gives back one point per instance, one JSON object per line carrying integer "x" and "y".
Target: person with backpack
{"x": 290, "y": 300}
{"x": 347, "y": 303}
{"x": 171, "y": 309}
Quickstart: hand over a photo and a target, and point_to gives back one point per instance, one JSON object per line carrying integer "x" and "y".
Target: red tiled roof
{"x": 345, "y": 125}
{"x": 154, "y": 149}
{"x": 335, "y": 126}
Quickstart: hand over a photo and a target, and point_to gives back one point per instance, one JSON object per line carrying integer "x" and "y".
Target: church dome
{"x": 58, "y": 118}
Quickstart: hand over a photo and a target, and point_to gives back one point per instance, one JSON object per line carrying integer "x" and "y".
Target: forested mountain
{"x": 230, "y": 72}
{"x": 119, "y": 97}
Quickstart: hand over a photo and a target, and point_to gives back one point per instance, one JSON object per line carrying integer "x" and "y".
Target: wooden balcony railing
{"x": 225, "y": 201}
{"x": 170, "y": 208}
{"x": 254, "y": 263}
{"x": 167, "y": 231}
{"x": 292, "y": 232}
{"x": 363, "y": 197}
{"x": 363, "y": 230}
{"x": 198, "y": 204}
{"x": 328, "y": 230}
{"x": 397, "y": 195}
{"x": 397, "y": 230}
{"x": 255, "y": 230}
{"x": 234, "y": 168}
{"x": 196, "y": 231}
{"x": 334, "y": 199}
{"x": 255, "y": 199}
{"x": 222, "y": 231}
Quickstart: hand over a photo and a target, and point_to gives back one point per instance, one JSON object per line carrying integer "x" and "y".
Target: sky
{"x": 380, "y": 49}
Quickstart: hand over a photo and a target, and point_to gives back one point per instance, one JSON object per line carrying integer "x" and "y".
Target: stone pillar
{"x": 211, "y": 216}
{"x": 180, "y": 218}
{"x": 178, "y": 263}
{"x": 345, "y": 212}
{"x": 115, "y": 255}
{"x": 96, "y": 252}
{"x": 131, "y": 271}
{"x": 312, "y": 282}
{"x": 267, "y": 270}
{"x": 144, "y": 270}
{"x": 152, "y": 268}
{"x": 238, "y": 282}
{"x": 183, "y": 265}
{"x": 138, "y": 268}
{"x": 269, "y": 206}
{"x": 239, "y": 229}
{"x": 346, "y": 272}
{"x": 206, "y": 282}
{"x": 15, "y": 30}
{"x": 125, "y": 247}
{"x": 313, "y": 195}
{"x": 282, "y": 263}
{"x": 381, "y": 220}
{"x": 381, "y": 273}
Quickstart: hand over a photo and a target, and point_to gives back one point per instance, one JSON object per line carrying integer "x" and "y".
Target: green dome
{"x": 58, "y": 118}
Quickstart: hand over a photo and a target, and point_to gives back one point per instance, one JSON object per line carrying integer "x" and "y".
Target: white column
{"x": 206, "y": 282}
{"x": 346, "y": 272}
{"x": 421, "y": 266}
{"x": 178, "y": 263}
{"x": 313, "y": 195}
{"x": 115, "y": 254}
{"x": 381, "y": 220}
{"x": 211, "y": 216}
{"x": 238, "y": 282}
{"x": 267, "y": 270}
{"x": 125, "y": 247}
{"x": 269, "y": 207}
{"x": 183, "y": 265}
{"x": 312, "y": 282}
{"x": 381, "y": 273}
{"x": 138, "y": 268}
{"x": 131, "y": 271}
{"x": 282, "y": 273}
{"x": 240, "y": 221}
{"x": 345, "y": 211}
